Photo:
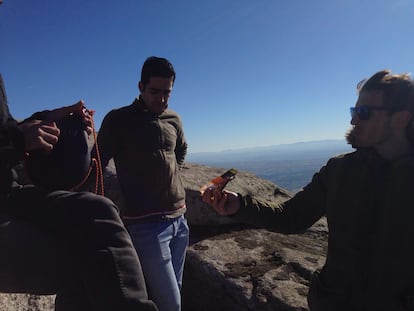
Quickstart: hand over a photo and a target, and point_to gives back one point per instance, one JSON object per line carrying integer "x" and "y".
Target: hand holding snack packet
{"x": 218, "y": 183}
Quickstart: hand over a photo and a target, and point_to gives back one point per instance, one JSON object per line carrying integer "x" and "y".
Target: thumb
{"x": 62, "y": 112}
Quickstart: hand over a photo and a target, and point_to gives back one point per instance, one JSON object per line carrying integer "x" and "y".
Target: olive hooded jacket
{"x": 148, "y": 150}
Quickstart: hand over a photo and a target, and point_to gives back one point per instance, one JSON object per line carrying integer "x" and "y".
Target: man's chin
{"x": 351, "y": 139}
{"x": 354, "y": 143}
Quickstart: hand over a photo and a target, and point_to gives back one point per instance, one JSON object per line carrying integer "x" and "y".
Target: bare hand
{"x": 225, "y": 204}
{"x": 39, "y": 135}
{"x": 44, "y": 134}
{"x": 78, "y": 108}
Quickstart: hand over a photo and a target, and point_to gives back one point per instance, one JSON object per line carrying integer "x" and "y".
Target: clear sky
{"x": 249, "y": 73}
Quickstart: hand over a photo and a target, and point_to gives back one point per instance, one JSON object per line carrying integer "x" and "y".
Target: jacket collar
{"x": 373, "y": 159}
{"x": 141, "y": 107}
{"x": 139, "y": 104}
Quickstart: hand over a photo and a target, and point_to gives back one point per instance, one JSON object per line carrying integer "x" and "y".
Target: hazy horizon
{"x": 290, "y": 166}
{"x": 249, "y": 73}
{"x": 255, "y": 148}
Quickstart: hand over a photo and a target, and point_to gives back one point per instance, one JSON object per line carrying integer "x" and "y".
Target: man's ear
{"x": 141, "y": 86}
{"x": 402, "y": 118}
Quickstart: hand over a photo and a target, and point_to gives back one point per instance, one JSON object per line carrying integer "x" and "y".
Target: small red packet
{"x": 218, "y": 183}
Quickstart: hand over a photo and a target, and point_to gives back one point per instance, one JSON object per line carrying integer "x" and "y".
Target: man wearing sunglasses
{"x": 368, "y": 198}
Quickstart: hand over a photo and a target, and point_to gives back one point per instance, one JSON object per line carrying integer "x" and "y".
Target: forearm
{"x": 264, "y": 214}
{"x": 294, "y": 215}
{"x": 181, "y": 152}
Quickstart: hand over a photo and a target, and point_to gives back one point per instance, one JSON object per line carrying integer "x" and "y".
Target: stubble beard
{"x": 351, "y": 138}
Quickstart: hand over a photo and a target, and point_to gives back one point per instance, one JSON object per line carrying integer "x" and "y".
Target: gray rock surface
{"x": 26, "y": 302}
{"x": 240, "y": 268}
{"x": 229, "y": 266}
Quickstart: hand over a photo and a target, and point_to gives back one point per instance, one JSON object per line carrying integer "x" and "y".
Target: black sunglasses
{"x": 364, "y": 112}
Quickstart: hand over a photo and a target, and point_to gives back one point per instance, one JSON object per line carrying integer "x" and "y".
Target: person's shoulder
{"x": 119, "y": 112}
{"x": 345, "y": 155}
{"x": 342, "y": 158}
{"x": 171, "y": 114}
{"x": 170, "y": 111}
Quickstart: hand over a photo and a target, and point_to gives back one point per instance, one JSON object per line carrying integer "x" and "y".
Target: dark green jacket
{"x": 369, "y": 205}
{"x": 148, "y": 150}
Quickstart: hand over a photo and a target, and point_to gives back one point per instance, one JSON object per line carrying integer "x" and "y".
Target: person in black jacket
{"x": 72, "y": 244}
{"x": 367, "y": 198}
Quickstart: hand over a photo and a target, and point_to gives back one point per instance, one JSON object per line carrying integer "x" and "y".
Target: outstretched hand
{"x": 225, "y": 204}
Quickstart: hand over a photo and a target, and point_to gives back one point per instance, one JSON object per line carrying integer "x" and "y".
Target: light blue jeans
{"x": 161, "y": 247}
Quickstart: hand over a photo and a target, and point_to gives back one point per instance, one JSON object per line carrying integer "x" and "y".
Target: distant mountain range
{"x": 290, "y": 166}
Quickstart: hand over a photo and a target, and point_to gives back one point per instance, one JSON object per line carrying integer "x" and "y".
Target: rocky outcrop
{"x": 26, "y": 302}
{"x": 232, "y": 266}
{"x": 237, "y": 267}
{"x": 242, "y": 268}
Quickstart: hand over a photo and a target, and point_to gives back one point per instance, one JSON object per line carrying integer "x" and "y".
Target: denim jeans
{"x": 161, "y": 247}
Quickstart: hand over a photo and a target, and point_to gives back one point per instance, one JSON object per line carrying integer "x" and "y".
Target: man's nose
{"x": 162, "y": 97}
{"x": 354, "y": 120}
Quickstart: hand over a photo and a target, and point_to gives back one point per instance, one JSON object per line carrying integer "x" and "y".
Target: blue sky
{"x": 249, "y": 73}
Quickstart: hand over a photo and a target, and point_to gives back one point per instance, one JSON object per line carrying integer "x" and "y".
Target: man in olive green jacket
{"x": 367, "y": 198}
{"x": 146, "y": 141}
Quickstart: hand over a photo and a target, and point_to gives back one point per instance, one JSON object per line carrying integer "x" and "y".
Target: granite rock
{"x": 229, "y": 266}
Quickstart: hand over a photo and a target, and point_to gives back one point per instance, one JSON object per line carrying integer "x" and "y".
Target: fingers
{"x": 77, "y": 108}
{"x": 88, "y": 120}
{"x": 207, "y": 196}
{"x": 47, "y": 136}
{"x": 225, "y": 203}
{"x": 62, "y": 112}
{"x": 49, "y": 133}
{"x": 39, "y": 135}
{"x": 219, "y": 203}
{"x": 211, "y": 195}
{"x": 216, "y": 200}
{"x": 87, "y": 112}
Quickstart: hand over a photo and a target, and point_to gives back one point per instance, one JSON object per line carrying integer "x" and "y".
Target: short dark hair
{"x": 156, "y": 67}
